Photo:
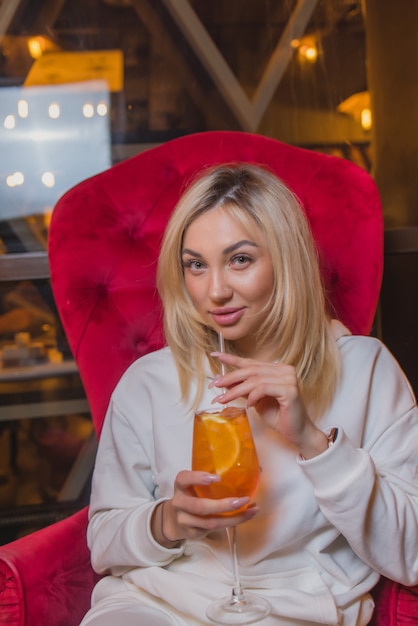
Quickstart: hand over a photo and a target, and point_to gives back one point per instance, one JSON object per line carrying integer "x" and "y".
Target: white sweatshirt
{"x": 326, "y": 529}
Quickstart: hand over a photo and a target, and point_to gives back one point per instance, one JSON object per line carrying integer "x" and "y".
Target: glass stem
{"x": 237, "y": 593}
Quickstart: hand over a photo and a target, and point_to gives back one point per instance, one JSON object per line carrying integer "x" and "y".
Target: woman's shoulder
{"x": 366, "y": 344}
{"x": 361, "y": 354}
{"x": 363, "y": 349}
{"x": 361, "y": 345}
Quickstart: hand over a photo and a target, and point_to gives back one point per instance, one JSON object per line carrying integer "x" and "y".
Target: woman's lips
{"x": 227, "y": 317}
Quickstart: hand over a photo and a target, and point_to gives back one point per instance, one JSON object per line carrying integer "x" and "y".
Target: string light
{"x": 102, "y": 109}
{"x": 310, "y": 53}
{"x": 88, "y": 110}
{"x": 35, "y": 47}
{"x": 54, "y": 111}
{"x": 9, "y": 122}
{"x": 23, "y": 108}
{"x": 15, "y": 180}
{"x": 48, "y": 179}
{"x": 366, "y": 119}
{"x": 307, "y": 48}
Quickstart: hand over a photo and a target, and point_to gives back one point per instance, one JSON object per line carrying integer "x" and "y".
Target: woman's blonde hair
{"x": 296, "y": 323}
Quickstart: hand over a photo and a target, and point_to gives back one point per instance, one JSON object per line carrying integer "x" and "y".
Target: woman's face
{"x": 228, "y": 274}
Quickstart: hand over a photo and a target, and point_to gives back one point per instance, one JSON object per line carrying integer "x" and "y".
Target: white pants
{"x": 128, "y": 615}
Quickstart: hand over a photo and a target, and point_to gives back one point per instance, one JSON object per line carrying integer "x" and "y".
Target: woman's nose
{"x": 219, "y": 288}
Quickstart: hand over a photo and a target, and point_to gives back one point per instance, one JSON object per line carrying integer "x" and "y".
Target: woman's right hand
{"x": 186, "y": 516}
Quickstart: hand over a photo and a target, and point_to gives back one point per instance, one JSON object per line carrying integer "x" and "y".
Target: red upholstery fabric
{"x": 395, "y": 605}
{"x": 46, "y": 578}
{"x": 104, "y": 243}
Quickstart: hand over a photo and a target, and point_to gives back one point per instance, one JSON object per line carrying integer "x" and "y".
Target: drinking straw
{"x": 222, "y": 349}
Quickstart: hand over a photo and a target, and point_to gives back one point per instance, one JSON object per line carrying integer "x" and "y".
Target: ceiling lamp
{"x": 358, "y": 106}
{"x": 307, "y": 48}
{"x": 39, "y": 44}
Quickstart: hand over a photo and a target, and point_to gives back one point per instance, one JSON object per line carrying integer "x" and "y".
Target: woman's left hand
{"x": 273, "y": 390}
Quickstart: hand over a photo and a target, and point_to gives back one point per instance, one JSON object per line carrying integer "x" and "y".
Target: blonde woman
{"x": 333, "y": 418}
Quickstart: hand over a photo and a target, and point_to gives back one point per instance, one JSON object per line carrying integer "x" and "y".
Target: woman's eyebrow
{"x": 228, "y": 250}
{"x": 191, "y": 252}
{"x": 243, "y": 242}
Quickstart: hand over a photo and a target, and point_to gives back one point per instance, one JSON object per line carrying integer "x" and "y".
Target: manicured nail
{"x": 236, "y": 504}
{"x": 208, "y": 479}
{"x": 214, "y": 382}
{"x": 218, "y": 399}
{"x": 252, "y": 510}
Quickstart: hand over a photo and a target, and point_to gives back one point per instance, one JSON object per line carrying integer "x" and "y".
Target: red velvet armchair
{"x": 104, "y": 242}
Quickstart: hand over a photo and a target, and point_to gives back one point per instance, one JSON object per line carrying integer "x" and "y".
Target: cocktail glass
{"x": 223, "y": 444}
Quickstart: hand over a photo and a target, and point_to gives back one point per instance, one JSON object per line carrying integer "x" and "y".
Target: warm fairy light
{"x": 309, "y": 52}
{"x": 9, "y": 122}
{"x": 54, "y": 111}
{"x": 35, "y": 47}
{"x": 366, "y": 119}
{"x": 358, "y": 106}
{"x": 15, "y": 180}
{"x": 48, "y": 179}
{"x": 88, "y": 110}
{"x": 102, "y": 109}
{"x": 23, "y": 108}
{"x": 307, "y": 48}
{"x": 38, "y": 45}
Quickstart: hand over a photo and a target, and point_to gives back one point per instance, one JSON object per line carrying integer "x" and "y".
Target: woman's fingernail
{"x": 214, "y": 382}
{"x": 250, "y": 511}
{"x": 218, "y": 398}
{"x": 208, "y": 479}
{"x": 238, "y": 502}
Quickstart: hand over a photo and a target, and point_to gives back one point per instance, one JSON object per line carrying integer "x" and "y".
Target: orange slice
{"x": 224, "y": 442}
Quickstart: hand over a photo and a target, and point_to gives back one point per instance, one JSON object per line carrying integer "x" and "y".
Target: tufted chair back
{"x": 106, "y": 232}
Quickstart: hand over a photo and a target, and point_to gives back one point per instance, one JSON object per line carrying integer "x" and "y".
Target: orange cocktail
{"x": 223, "y": 444}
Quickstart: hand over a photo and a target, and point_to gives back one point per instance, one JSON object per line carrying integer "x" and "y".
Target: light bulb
{"x": 102, "y": 109}
{"x": 88, "y": 110}
{"x": 366, "y": 119}
{"x": 15, "y": 180}
{"x": 54, "y": 111}
{"x": 10, "y": 122}
{"x": 23, "y": 108}
{"x": 48, "y": 179}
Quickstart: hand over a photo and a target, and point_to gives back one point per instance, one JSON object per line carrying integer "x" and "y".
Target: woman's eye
{"x": 241, "y": 259}
{"x": 193, "y": 265}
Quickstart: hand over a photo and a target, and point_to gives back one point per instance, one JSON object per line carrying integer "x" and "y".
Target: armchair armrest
{"x": 46, "y": 577}
{"x": 396, "y": 604}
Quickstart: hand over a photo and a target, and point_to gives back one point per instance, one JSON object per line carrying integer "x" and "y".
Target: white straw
{"x": 222, "y": 349}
